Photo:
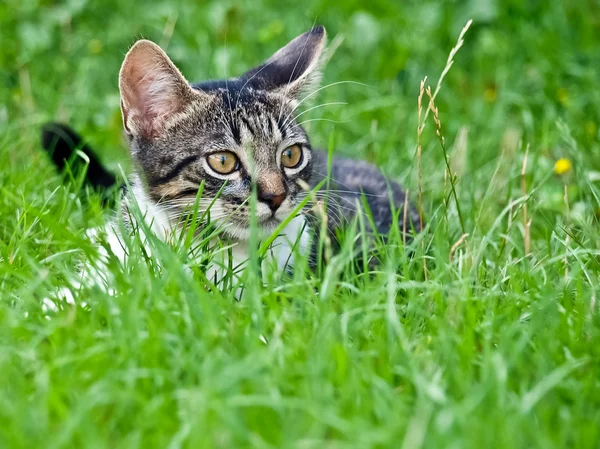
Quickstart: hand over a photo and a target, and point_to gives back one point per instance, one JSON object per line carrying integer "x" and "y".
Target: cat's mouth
{"x": 241, "y": 228}
{"x": 262, "y": 221}
{"x": 266, "y": 221}
{"x": 269, "y": 220}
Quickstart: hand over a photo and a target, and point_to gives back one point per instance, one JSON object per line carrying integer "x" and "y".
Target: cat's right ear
{"x": 293, "y": 69}
{"x": 152, "y": 90}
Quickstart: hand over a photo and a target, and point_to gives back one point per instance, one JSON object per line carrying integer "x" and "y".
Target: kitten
{"x": 230, "y": 136}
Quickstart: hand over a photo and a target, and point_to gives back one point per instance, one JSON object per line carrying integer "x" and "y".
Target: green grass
{"x": 491, "y": 346}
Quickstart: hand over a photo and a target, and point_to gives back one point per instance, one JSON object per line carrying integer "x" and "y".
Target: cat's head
{"x": 227, "y": 135}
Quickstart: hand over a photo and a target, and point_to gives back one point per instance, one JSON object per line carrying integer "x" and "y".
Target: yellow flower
{"x": 562, "y": 166}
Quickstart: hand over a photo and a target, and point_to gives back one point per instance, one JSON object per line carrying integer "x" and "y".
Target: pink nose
{"x": 272, "y": 200}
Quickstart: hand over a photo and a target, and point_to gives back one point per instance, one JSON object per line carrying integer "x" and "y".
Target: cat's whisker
{"x": 353, "y": 192}
{"x": 287, "y": 119}
{"x": 337, "y": 213}
{"x": 314, "y": 92}
{"x": 332, "y": 179}
{"x": 323, "y": 120}
{"x": 341, "y": 183}
{"x": 333, "y": 210}
{"x": 218, "y": 213}
{"x": 175, "y": 210}
{"x": 190, "y": 204}
{"x": 359, "y": 193}
{"x": 203, "y": 217}
{"x": 187, "y": 197}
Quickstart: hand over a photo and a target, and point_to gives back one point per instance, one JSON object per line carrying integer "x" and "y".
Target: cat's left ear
{"x": 152, "y": 90}
{"x": 293, "y": 69}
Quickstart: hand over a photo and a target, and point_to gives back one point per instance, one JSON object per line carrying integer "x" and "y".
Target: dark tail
{"x": 62, "y": 145}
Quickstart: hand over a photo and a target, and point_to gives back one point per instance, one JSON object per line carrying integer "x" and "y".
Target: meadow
{"x": 483, "y": 331}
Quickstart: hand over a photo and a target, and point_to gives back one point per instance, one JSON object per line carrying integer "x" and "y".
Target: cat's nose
{"x": 272, "y": 200}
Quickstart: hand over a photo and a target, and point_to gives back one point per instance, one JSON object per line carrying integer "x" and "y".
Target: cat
{"x": 227, "y": 137}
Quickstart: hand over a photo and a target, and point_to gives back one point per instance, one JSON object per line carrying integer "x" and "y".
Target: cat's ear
{"x": 293, "y": 69}
{"x": 152, "y": 89}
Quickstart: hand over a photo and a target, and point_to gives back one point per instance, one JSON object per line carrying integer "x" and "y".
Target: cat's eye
{"x": 223, "y": 162}
{"x": 291, "y": 157}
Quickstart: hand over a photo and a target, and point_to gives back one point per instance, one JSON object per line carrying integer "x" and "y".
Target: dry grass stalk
{"x": 436, "y": 114}
{"x": 438, "y": 131}
{"x": 456, "y": 245}
{"x": 420, "y": 127}
{"x": 421, "y": 124}
{"x": 450, "y": 60}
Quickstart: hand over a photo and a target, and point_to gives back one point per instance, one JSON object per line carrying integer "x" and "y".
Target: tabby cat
{"x": 233, "y": 137}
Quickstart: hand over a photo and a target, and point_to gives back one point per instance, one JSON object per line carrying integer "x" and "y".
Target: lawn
{"x": 484, "y": 332}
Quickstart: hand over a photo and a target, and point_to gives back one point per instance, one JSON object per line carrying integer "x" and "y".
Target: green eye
{"x": 291, "y": 157}
{"x": 223, "y": 162}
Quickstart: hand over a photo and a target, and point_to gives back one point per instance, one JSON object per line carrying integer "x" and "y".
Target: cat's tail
{"x": 65, "y": 146}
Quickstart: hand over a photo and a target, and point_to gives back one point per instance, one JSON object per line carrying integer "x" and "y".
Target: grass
{"x": 490, "y": 339}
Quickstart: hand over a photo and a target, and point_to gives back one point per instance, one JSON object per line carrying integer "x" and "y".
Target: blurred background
{"x": 528, "y": 74}
{"x": 498, "y": 348}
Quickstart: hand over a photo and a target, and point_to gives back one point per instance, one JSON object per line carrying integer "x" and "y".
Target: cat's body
{"x": 230, "y": 138}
